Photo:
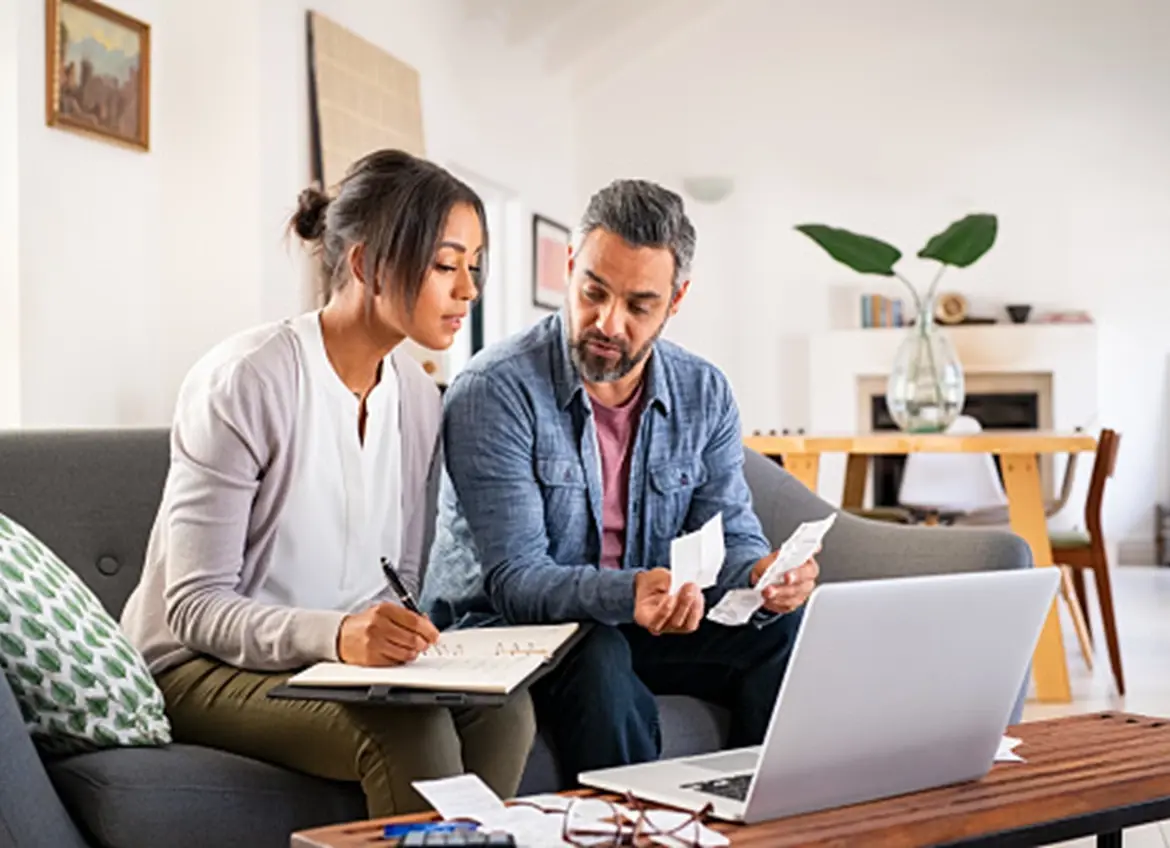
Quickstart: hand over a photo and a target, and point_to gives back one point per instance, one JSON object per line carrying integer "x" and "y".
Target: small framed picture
{"x": 550, "y": 262}
{"x": 97, "y": 72}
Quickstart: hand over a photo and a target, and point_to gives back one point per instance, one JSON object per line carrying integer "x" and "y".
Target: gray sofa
{"x": 91, "y": 495}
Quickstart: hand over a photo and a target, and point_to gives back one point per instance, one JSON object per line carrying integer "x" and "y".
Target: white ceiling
{"x": 591, "y": 40}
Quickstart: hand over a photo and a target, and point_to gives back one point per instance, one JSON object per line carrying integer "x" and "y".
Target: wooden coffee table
{"x": 1084, "y": 775}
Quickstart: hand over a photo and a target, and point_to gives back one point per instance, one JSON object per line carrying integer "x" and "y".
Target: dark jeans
{"x": 599, "y": 703}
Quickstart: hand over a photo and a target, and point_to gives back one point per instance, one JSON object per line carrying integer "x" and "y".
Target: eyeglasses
{"x": 599, "y": 823}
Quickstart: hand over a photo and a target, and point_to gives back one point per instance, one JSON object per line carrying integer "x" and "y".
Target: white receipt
{"x": 698, "y": 556}
{"x": 737, "y": 606}
{"x": 1007, "y": 751}
{"x": 463, "y": 797}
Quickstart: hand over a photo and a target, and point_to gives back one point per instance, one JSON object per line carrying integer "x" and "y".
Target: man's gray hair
{"x": 644, "y": 214}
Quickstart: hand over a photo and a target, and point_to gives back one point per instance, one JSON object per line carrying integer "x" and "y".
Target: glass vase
{"x": 925, "y": 390}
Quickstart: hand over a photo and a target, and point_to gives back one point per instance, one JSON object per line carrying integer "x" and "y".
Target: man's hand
{"x": 385, "y": 634}
{"x": 661, "y": 612}
{"x": 797, "y": 584}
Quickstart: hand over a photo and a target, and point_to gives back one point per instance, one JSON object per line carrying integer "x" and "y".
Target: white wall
{"x": 131, "y": 264}
{"x": 9, "y": 220}
{"x": 895, "y": 119}
{"x": 488, "y": 112}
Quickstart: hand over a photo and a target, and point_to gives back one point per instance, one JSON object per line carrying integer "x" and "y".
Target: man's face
{"x": 620, "y": 298}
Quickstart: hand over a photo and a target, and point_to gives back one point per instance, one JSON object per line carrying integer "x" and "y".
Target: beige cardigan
{"x": 232, "y": 455}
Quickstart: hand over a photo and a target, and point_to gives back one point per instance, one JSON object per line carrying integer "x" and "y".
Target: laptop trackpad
{"x": 729, "y": 763}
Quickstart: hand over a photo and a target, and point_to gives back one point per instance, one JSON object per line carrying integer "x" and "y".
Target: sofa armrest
{"x": 860, "y": 549}
{"x": 31, "y": 813}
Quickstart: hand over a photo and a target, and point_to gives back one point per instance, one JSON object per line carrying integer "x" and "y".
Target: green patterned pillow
{"x": 79, "y": 683}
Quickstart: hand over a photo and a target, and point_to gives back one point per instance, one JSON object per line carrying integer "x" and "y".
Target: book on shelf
{"x": 877, "y": 310}
{"x": 492, "y": 660}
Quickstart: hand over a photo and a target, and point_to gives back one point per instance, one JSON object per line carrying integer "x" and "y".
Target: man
{"x": 575, "y": 453}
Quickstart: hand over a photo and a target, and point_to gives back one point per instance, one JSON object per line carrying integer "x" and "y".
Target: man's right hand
{"x": 661, "y": 612}
{"x": 385, "y": 634}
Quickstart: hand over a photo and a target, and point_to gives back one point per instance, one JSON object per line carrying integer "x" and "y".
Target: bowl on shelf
{"x": 1019, "y": 312}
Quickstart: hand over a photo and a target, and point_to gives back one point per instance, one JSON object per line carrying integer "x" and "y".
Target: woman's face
{"x": 449, "y": 287}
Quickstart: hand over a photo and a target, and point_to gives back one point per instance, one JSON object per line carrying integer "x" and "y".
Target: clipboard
{"x": 413, "y": 696}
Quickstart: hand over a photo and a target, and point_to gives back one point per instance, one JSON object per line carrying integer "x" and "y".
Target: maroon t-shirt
{"x": 616, "y": 426}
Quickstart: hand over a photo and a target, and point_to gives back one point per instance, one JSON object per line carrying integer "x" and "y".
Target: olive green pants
{"x": 384, "y": 747}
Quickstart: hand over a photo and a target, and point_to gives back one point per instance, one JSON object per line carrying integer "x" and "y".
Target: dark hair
{"x": 396, "y": 205}
{"x": 644, "y": 214}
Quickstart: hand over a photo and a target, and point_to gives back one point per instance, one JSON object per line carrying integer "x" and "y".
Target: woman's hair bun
{"x": 309, "y": 220}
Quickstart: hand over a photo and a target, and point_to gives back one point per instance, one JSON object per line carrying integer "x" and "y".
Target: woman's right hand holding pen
{"x": 385, "y": 634}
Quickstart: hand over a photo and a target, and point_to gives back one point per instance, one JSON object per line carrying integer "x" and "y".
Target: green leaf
{"x": 12, "y": 646}
{"x": 77, "y": 722}
{"x": 99, "y": 707}
{"x": 10, "y": 572}
{"x": 48, "y": 661}
{"x": 64, "y": 620}
{"x": 114, "y": 668}
{"x": 62, "y": 693}
{"x": 83, "y": 678}
{"x": 81, "y": 653}
{"x": 104, "y": 737}
{"x": 962, "y": 242}
{"x": 33, "y": 629}
{"x": 30, "y": 602}
{"x": 863, "y": 254}
{"x": 32, "y": 675}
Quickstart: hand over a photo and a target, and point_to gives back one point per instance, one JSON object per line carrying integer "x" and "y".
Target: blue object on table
{"x": 392, "y": 831}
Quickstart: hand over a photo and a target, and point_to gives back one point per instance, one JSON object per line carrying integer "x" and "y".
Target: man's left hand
{"x": 794, "y": 589}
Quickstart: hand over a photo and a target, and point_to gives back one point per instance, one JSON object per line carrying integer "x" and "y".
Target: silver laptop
{"x": 894, "y": 686}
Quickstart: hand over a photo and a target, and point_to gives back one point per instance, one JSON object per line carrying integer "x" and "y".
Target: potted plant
{"x": 924, "y": 392}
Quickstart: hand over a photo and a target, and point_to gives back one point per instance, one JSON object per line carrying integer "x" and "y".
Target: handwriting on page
{"x": 541, "y": 641}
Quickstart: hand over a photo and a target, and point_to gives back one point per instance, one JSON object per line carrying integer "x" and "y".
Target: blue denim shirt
{"x": 518, "y": 537}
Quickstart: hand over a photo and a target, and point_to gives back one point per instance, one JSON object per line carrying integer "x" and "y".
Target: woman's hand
{"x": 385, "y": 634}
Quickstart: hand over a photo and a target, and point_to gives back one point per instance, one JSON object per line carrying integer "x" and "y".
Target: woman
{"x": 301, "y": 454}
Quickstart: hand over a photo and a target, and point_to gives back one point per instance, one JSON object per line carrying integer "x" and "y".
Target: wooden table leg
{"x": 805, "y": 467}
{"x": 1021, "y": 477}
{"x": 856, "y": 470}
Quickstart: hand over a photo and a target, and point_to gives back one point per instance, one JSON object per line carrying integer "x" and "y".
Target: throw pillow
{"x": 80, "y": 685}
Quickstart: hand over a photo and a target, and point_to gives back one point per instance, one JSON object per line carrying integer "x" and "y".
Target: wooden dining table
{"x": 1019, "y": 453}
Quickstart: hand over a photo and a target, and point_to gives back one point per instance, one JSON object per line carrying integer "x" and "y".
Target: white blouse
{"x": 344, "y": 507}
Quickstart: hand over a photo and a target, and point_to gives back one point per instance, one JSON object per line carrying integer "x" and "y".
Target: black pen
{"x": 399, "y": 588}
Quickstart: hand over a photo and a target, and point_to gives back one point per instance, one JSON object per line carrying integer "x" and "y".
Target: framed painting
{"x": 550, "y": 262}
{"x": 97, "y": 72}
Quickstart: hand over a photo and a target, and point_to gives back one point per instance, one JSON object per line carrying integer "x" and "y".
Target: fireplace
{"x": 996, "y": 401}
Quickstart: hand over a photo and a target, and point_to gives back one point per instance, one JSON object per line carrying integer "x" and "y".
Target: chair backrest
{"x": 1103, "y": 467}
{"x": 952, "y": 482}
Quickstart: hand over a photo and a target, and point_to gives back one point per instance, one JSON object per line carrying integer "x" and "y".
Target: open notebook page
{"x": 489, "y": 659}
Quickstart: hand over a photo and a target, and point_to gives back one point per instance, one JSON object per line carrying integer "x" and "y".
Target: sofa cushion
{"x": 79, "y": 683}
{"x": 185, "y": 795}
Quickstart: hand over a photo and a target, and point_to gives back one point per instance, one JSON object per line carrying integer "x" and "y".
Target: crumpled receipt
{"x": 738, "y": 606}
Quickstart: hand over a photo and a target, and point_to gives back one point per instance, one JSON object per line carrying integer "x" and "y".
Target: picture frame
{"x": 550, "y": 259}
{"x": 97, "y": 72}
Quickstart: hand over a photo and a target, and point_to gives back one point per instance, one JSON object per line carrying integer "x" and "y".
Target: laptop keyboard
{"x": 734, "y": 787}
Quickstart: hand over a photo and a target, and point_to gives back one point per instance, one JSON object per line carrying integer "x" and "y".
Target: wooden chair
{"x": 1081, "y": 552}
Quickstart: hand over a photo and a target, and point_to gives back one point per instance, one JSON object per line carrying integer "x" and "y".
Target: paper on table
{"x": 463, "y": 797}
{"x": 738, "y": 606}
{"x": 698, "y": 556}
{"x": 1006, "y": 752}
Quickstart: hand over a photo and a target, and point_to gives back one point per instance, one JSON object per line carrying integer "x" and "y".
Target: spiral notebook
{"x": 474, "y": 665}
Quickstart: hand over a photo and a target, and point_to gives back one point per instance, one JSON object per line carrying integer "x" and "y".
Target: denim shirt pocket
{"x": 566, "y": 501}
{"x": 672, "y": 485}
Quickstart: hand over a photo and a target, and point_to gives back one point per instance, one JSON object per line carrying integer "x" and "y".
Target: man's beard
{"x": 600, "y": 369}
